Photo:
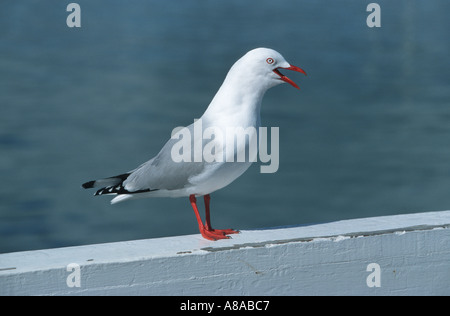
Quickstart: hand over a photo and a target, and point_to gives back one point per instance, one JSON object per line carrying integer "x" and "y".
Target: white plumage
{"x": 237, "y": 103}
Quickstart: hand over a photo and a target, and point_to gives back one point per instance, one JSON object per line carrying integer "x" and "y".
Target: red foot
{"x": 213, "y": 235}
{"x": 225, "y": 231}
{"x": 206, "y": 230}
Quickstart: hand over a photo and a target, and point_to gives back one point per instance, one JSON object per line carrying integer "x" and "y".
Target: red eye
{"x": 270, "y": 61}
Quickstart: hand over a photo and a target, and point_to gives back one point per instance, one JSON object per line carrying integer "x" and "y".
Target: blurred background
{"x": 367, "y": 135}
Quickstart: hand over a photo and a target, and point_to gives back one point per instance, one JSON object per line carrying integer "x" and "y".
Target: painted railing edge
{"x": 406, "y": 254}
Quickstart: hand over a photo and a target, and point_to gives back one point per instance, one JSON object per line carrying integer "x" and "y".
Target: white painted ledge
{"x": 412, "y": 251}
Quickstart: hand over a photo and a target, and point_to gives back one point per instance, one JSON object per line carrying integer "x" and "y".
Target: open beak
{"x": 286, "y": 79}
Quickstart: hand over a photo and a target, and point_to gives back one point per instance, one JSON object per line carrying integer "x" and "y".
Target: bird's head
{"x": 261, "y": 66}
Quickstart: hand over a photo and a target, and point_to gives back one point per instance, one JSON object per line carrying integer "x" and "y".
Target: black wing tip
{"x": 116, "y": 180}
{"x": 119, "y": 189}
{"x": 88, "y": 185}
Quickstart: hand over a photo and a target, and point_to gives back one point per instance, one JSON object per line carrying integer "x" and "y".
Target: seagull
{"x": 236, "y": 103}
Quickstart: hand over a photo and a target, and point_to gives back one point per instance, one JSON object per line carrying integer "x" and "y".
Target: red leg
{"x": 208, "y": 234}
{"x": 208, "y": 225}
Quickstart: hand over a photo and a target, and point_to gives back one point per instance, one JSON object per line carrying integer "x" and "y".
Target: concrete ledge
{"x": 391, "y": 255}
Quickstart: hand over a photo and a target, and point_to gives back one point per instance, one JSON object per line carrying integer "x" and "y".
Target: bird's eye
{"x": 270, "y": 61}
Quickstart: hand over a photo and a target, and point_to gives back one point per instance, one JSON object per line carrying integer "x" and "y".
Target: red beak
{"x": 286, "y": 79}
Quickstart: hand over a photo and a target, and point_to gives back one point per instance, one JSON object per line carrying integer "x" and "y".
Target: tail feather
{"x": 122, "y": 197}
{"x": 113, "y": 185}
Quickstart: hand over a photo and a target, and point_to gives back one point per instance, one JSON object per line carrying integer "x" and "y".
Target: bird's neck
{"x": 237, "y": 100}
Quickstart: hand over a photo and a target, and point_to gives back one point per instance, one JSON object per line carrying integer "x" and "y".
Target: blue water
{"x": 367, "y": 135}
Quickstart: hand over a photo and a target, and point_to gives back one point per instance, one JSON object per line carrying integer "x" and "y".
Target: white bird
{"x": 237, "y": 104}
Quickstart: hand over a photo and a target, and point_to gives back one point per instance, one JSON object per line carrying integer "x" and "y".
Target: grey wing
{"x": 162, "y": 172}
